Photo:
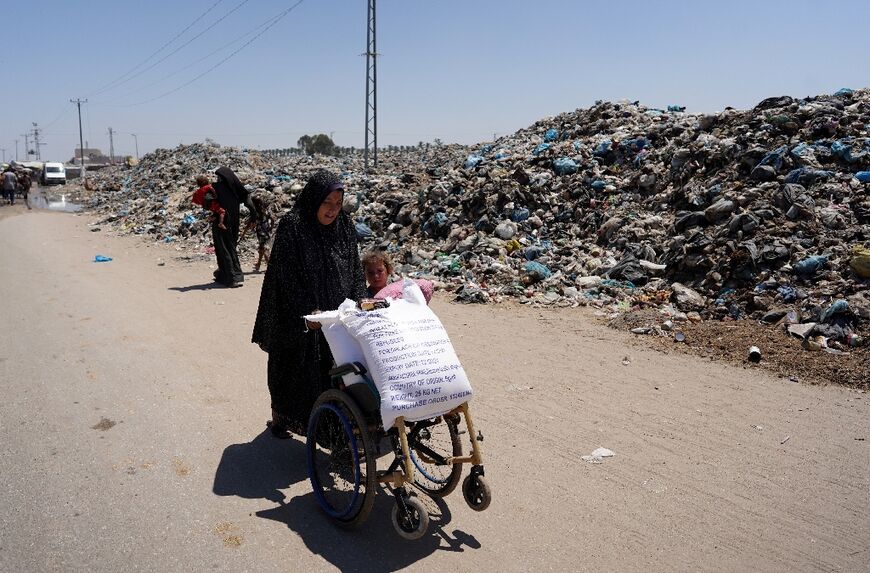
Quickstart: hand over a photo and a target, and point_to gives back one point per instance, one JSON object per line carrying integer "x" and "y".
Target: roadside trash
{"x": 860, "y": 261}
{"x": 641, "y": 330}
{"x": 473, "y": 161}
{"x": 564, "y": 166}
{"x": 801, "y": 330}
{"x": 541, "y": 148}
{"x": 854, "y": 340}
{"x": 102, "y": 259}
{"x": 754, "y": 354}
{"x": 597, "y": 456}
{"x": 537, "y": 270}
{"x": 735, "y": 215}
{"x": 679, "y": 336}
{"x": 668, "y": 325}
{"x": 837, "y": 307}
{"x": 810, "y": 265}
{"x": 363, "y": 231}
{"x": 626, "y": 360}
{"x": 815, "y": 343}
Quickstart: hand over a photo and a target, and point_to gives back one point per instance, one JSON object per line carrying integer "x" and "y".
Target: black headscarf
{"x": 311, "y": 267}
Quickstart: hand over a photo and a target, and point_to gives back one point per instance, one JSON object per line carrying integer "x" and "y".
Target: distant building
{"x": 92, "y": 155}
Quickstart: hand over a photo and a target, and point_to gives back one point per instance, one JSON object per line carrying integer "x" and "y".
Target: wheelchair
{"x": 346, "y": 439}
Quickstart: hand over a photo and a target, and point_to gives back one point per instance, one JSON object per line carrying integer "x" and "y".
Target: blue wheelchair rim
{"x": 312, "y": 475}
{"x": 417, "y": 464}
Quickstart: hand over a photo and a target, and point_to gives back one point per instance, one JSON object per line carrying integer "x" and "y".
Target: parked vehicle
{"x": 53, "y": 174}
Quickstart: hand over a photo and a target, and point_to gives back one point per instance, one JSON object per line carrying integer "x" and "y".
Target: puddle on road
{"x": 42, "y": 199}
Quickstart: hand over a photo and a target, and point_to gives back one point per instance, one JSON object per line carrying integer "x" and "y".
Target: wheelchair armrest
{"x": 354, "y": 367}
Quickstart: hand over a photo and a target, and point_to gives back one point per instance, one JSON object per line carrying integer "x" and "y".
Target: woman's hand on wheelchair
{"x": 310, "y": 325}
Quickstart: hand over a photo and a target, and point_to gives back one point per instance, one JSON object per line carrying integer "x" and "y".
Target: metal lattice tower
{"x": 371, "y": 89}
{"x": 36, "y": 142}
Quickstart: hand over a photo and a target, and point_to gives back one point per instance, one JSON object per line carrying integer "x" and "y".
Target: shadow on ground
{"x": 260, "y": 468}
{"x": 203, "y": 286}
{"x": 375, "y": 545}
{"x": 264, "y": 466}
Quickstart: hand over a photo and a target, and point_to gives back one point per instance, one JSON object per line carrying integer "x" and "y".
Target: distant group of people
{"x": 15, "y": 181}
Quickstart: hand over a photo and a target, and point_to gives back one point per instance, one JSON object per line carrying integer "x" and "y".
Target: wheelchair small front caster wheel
{"x": 476, "y": 492}
{"x": 412, "y": 520}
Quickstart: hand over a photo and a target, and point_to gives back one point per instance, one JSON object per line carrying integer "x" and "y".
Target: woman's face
{"x": 376, "y": 275}
{"x": 330, "y": 208}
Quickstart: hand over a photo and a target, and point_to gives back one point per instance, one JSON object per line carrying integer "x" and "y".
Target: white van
{"x": 53, "y": 173}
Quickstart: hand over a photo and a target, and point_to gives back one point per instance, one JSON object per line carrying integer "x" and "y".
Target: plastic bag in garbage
{"x": 860, "y": 261}
{"x": 473, "y": 161}
{"x": 564, "y": 166}
{"x": 810, "y": 265}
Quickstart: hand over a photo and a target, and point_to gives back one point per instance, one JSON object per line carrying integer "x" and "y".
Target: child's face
{"x": 376, "y": 275}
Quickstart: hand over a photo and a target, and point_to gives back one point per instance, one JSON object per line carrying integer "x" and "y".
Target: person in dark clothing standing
{"x": 314, "y": 266}
{"x": 230, "y": 194}
{"x": 10, "y": 185}
{"x": 24, "y": 184}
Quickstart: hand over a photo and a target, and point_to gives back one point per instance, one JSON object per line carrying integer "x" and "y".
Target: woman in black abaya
{"x": 230, "y": 194}
{"x": 314, "y": 266}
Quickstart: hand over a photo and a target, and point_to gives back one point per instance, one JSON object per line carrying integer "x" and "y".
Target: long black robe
{"x": 230, "y": 194}
{"x": 312, "y": 267}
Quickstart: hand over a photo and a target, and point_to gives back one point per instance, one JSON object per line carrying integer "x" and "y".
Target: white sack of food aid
{"x": 345, "y": 349}
{"x": 409, "y": 357}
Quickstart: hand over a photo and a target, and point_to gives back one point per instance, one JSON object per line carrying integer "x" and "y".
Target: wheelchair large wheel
{"x": 341, "y": 461}
{"x": 431, "y": 442}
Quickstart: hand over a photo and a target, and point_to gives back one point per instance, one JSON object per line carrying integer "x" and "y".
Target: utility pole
{"x": 371, "y": 141}
{"x": 36, "y": 142}
{"x": 16, "y": 150}
{"x": 78, "y": 103}
{"x": 111, "y": 148}
{"x": 26, "y": 137}
{"x": 136, "y": 139}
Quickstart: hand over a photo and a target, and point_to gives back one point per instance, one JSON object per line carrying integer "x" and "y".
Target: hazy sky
{"x": 458, "y": 70}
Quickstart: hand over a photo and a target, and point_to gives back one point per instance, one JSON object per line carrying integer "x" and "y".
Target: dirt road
{"x": 128, "y": 444}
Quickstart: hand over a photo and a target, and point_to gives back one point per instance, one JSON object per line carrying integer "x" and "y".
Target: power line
{"x": 114, "y": 83}
{"x": 233, "y": 53}
{"x": 58, "y": 118}
{"x": 188, "y": 66}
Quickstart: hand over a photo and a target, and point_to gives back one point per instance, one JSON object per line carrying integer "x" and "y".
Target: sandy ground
{"x": 129, "y": 444}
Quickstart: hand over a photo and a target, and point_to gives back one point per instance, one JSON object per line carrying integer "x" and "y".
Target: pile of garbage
{"x": 760, "y": 213}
